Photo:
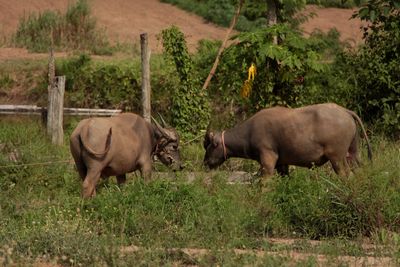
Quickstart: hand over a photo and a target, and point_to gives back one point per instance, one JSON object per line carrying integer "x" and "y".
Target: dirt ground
{"x": 328, "y": 18}
{"x": 124, "y": 21}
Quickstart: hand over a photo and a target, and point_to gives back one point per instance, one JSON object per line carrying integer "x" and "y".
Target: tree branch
{"x": 221, "y": 49}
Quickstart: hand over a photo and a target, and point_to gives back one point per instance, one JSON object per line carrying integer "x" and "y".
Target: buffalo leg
{"x": 352, "y": 154}
{"x": 268, "y": 161}
{"x": 82, "y": 170}
{"x": 283, "y": 170}
{"x": 145, "y": 170}
{"x": 89, "y": 184}
{"x": 341, "y": 167}
{"x": 121, "y": 179}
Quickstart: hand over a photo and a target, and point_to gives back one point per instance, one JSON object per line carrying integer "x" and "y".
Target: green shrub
{"x": 96, "y": 84}
{"x": 373, "y": 71}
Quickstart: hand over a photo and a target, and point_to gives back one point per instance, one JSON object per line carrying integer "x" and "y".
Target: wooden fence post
{"x": 55, "y": 111}
{"x": 146, "y": 89}
{"x": 50, "y": 86}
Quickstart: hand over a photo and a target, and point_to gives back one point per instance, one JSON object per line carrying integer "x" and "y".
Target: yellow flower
{"x": 248, "y": 84}
{"x": 252, "y": 72}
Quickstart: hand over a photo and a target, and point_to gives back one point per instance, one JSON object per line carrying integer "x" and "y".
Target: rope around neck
{"x": 223, "y": 144}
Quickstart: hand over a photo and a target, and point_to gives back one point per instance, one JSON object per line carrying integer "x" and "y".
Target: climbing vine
{"x": 190, "y": 106}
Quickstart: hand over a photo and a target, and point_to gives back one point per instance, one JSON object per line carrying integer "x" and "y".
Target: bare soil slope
{"x": 328, "y": 18}
{"x": 124, "y": 20}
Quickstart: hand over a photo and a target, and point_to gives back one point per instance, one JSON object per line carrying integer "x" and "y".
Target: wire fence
{"x": 69, "y": 161}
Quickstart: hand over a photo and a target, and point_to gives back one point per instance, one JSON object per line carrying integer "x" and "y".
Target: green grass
{"x": 43, "y": 218}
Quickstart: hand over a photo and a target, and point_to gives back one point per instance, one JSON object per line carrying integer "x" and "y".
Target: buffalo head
{"x": 214, "y": 149}
{"x": 167, "y": 148}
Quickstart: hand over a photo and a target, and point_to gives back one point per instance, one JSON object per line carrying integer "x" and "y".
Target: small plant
{"x": 5, "y": 81}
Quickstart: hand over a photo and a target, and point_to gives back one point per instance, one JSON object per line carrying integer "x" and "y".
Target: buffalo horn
{"x": 162, "y": 120}
{"x": 164, "y": 132}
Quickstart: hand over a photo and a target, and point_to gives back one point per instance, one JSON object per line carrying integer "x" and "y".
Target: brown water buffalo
{"x": 103, "y": 147}
{"x": 278, "y": 137}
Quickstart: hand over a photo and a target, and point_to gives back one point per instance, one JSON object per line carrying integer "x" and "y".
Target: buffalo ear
{"x": 212, "y": 139}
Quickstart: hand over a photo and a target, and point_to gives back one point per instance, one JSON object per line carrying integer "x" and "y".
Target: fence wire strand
{"x": 36, "y": 163}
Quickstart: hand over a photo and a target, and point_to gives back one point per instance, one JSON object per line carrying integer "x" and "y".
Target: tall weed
{"x": 76, "y": 29}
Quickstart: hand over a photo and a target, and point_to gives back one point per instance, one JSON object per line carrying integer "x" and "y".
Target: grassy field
{"x": 205, "y": 222}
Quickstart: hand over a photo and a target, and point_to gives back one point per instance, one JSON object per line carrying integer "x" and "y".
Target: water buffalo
{"x": 278, "y": 137}
{"x": 103, "y": 147}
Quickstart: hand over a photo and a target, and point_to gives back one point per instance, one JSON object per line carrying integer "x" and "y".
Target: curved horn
{"x": 156, "y": 122}
{"x": 165, "y": 132}
{"x": 162, "y": 120}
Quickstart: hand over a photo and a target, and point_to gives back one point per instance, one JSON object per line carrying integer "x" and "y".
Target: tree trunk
{"x": 272, "y": 15}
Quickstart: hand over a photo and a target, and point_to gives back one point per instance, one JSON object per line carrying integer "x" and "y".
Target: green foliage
{"x": 221, "y": 12}
{"x": 76, "y": 29}
{"x": 96, "y": 84}
{"x": 377, "y": 64}
{"x": 282, "y": 69}
{"x": 190, "y": 106}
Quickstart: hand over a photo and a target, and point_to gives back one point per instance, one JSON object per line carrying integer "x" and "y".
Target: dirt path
{"x": 293, "y": 255}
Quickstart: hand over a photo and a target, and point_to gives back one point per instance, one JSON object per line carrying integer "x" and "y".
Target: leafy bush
{"x": 375, "y": 66}
{"x": 74, "y": 30}
{"x": 367, "y": 80}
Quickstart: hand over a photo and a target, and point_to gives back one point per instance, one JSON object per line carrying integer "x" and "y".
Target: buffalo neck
{"x": 237, "y": 142}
